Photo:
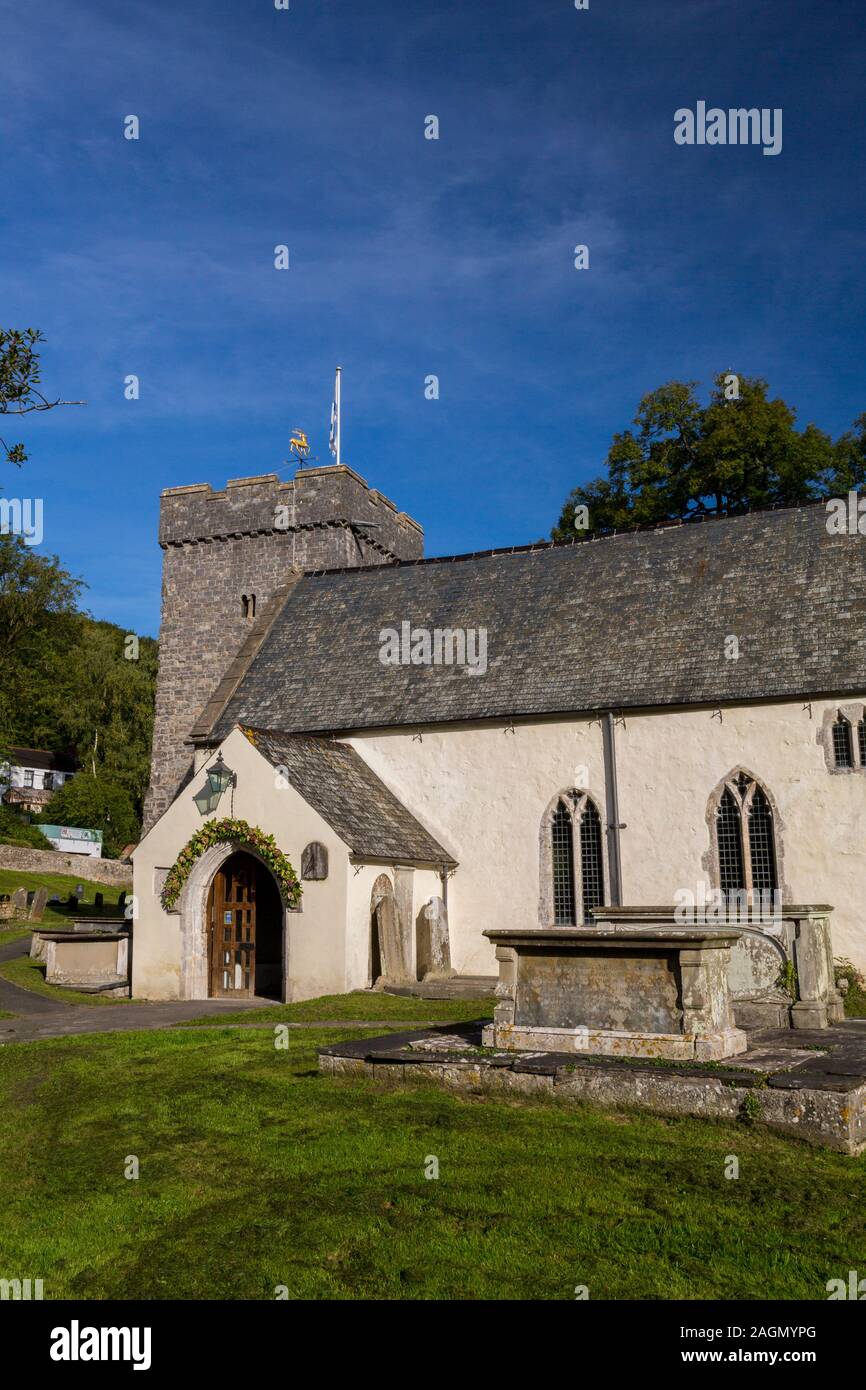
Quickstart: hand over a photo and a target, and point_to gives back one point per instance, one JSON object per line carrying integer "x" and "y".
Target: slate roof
{"x": 41, "y": 758}
{"x": 336, "y": 782}
{"x": 633, "y": 620}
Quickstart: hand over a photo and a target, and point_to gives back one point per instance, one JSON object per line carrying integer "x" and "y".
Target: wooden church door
{"x": 232, "y": 918}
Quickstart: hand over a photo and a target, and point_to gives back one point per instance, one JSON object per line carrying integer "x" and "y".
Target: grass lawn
{"x": 255, "y": 1171}
{"x": 30, "y": 974}
{"x": 62, "y": 884}
{"x": 13, "y": 934}
{"x": 363, "y": 1004}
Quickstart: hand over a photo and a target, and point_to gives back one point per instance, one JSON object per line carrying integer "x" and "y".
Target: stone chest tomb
{"x": 631, "y": 991}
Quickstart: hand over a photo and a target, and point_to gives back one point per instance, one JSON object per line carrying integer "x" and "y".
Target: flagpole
{"x": 339, "y": 422}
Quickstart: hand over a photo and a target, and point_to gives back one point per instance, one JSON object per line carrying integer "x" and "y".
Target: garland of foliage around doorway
{"x": 215, "y": 832}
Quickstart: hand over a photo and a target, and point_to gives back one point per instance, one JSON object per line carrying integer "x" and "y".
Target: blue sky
{"x": 409, "y": 256}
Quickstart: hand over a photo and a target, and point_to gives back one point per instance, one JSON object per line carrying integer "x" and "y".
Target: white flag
{"x": 332, "y": 443}
{"x": 335, "y": 420}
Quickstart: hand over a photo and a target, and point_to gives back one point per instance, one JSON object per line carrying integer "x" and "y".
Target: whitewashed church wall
{"x": 668, "y": 766}
{"x": 483, "y": 791}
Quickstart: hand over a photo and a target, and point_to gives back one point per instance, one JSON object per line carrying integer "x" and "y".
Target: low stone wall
{"x": 49, "y": 861}
{"x": 833, "y": 1119}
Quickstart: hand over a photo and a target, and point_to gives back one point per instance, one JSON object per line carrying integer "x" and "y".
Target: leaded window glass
{"x": 729, "y": 826}
{"x": 563, "y": 868}
{"x": 762, "y": 847}
{"x": 843, "y": 753}
{"x": 592, "y": 878}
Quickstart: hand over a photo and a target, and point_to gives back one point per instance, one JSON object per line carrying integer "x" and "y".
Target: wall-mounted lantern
{"x": 220, "y": 777}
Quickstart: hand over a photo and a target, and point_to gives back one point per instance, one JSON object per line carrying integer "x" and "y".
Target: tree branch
{"x": 27, "y": 409}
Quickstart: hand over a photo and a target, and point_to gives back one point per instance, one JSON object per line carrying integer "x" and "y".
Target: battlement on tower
{"x": 315, "y": 497}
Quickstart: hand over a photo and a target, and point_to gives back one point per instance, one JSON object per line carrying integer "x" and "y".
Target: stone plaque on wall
{"x": 314, "y": 861}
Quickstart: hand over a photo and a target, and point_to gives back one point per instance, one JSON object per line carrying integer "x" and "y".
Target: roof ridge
{"x": 616, "y": 533}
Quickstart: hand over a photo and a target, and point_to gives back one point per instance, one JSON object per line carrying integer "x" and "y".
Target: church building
{"x": 363, "y": 759}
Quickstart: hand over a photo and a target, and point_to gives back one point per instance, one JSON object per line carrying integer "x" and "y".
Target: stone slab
{"x": 676, "y": 1047}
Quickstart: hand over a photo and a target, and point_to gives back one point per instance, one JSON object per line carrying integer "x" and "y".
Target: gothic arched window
{"x": 745, "y": 839}
{"x": 572, "y": 861}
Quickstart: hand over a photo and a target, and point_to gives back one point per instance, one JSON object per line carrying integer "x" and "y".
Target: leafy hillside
{"x": 74, "y": 684}
{"x": 15, "y": 831}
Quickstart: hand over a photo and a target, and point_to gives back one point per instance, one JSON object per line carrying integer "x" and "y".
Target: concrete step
{"x": 459, "y": 987}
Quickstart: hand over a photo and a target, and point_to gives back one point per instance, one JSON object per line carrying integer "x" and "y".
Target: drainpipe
{"x": 613, "y": 822}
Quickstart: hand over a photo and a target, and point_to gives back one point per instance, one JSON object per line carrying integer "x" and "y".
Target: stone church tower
{"x": 228, "y": 559}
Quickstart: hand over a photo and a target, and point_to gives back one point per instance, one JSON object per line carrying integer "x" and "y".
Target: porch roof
{"x": 334, "y": 779}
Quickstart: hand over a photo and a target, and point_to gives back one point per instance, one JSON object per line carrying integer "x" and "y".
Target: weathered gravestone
{"x": 433, "y": 943}
{"x": 389, "y": 936}
{"x": 37, "y": 907}
{"x": 19, "y": 902}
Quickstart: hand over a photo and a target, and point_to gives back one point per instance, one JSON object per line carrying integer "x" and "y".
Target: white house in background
{"x": 30, "y": 776}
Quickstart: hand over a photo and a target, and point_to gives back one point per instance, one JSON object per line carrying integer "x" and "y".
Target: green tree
{"x": 850, "y": 463}
{"x": 100, "y": 702}
{"x": 37, "y": 603}
{"x": 739, "y": 451}
{"x": 33, "y": 590}
{"x": 72, "y": 684}
{"x": 20, "y": 377}
{"x": 94, "y": 803}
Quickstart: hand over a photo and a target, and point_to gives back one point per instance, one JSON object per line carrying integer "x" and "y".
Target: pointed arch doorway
{"x": 245, "y": 931}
